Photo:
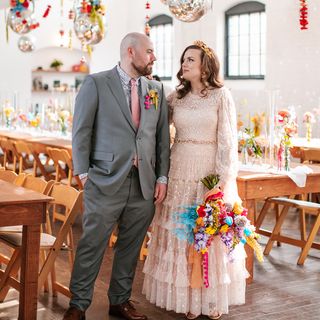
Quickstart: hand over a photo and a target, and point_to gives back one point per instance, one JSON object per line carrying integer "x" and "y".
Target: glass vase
{"x": 63, "y": 129}
{"x": 286, "y": 158}
{"x": 245, "y": 155}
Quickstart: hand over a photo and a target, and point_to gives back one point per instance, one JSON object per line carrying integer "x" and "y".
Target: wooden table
{"x": 298, "y": 143}
{"x": 20, "y": 206}
{"x": 39, "y": 142}
{"x": 253, "y": 186}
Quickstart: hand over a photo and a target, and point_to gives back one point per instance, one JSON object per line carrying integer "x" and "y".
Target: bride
{"x": 204, "y": 116}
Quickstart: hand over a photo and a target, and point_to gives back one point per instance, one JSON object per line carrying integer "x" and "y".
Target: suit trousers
{"x": 133, "y": 214}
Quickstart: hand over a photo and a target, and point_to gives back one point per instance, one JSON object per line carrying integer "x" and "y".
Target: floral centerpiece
{"x": 63, "y": 118}
{"x": 287, "y": 127}
{"x": 8, "y": 111}
{"x": 214, "y": 217}
{"x": 249, "y": 145}
{"x": 309, "y": 119}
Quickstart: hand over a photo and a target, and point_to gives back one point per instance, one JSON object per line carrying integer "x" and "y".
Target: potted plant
{"x": 56, "y": 64}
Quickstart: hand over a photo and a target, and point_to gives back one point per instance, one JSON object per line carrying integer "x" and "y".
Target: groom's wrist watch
{"x": 162, "y": 179}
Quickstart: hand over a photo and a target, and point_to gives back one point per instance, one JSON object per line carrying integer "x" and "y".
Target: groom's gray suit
{"x": 104, "y": 144}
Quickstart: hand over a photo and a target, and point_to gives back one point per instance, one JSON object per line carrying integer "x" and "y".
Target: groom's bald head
{"x": 137, "y": 54}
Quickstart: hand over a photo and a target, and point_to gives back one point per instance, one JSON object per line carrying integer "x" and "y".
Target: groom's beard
{"x": 143, "y": 71}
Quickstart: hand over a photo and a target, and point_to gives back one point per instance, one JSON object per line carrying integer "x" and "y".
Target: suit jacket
{"x": 105, "y": 141}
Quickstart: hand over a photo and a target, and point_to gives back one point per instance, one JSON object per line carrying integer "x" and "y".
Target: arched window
{"x": 245, "y": 41}
{"x": 161, "y": 36}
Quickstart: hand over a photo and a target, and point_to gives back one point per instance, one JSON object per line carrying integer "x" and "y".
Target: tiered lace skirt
{"x": 167, "y": 268}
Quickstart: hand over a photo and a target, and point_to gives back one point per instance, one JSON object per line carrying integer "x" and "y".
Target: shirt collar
{"x": 124, "y": 76}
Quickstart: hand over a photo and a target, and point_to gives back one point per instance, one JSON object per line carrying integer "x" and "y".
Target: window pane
{"x": 234, "y": 45}
{"x": 233, "y": 66}
{"x": 244, "y": 24}
{"x": 255, "y": 23}
{"x": 244, "y": 45}
{"x": 233, "y": 24}
{"x": 244, "y": 65}
{"x": 255, "y": 44}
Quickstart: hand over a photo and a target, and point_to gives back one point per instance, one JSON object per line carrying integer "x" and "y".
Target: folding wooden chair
{"x": 304, "y": 244}
{"x": 64, "y": 167}
{"x": 65, "y": 196}
{"x": 9, "y": 154}
{"x": 8, "y": 175}
{"x": 44, "y": 167}
{"x": 25, "y": 159}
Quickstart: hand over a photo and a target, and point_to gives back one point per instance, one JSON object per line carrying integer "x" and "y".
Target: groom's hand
{"x": 160, "y": 192}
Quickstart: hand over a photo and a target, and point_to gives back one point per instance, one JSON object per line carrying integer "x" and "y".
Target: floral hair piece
{"x": 204, "y": 47}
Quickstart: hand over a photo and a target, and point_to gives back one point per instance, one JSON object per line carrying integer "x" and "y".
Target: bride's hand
{"x": 211, "y": 192}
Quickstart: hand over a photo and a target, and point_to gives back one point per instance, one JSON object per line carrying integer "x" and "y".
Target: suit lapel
{"x": 144, "y": 92}
{"x": 115, "y": 86}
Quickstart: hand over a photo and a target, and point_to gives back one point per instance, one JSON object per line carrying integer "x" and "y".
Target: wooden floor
{"x": 282, "y": 290}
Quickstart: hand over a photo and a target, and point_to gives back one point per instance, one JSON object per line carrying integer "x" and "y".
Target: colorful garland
{"x": 303, "y": 15}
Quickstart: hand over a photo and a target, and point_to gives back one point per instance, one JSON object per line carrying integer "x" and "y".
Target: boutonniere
{"x": 151, "y": 98}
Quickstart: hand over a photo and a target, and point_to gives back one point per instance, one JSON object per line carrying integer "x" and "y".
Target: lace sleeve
{"x": 227, "y": 149}
{"x": 170, "y": 102}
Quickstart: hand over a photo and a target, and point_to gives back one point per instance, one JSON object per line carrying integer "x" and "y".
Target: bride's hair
{"x": 210, "y": 67}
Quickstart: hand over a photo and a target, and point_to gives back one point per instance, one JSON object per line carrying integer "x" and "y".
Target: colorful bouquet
{"x": 214, "y": 217}
{"x": 287, "y": 127}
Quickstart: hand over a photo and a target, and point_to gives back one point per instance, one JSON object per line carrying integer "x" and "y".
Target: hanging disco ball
{"x": 188, "y": 10}
{"x": 22, "y": 22}
{"x": 25, "y": 44}
{"x": 87, "y": 30}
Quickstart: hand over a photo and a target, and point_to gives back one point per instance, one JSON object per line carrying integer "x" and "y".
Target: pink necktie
{"x": 135, "y": 105}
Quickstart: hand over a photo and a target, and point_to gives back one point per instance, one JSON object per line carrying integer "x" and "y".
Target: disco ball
{"x": 25, "y": 44}
{"x": 188, "y": 10}
{"x": 87, "y": 30}
{"x": 20, "y": 24}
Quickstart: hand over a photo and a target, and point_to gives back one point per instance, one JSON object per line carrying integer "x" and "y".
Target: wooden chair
{"x": 63, "y": 163}
{"x": 65, "y": 196}
{"x": 9, "y": 155}
{"x": 44, "y": 167}
{"x": 8, "y": 175}
{"x": 304, "y": 244}
{"x": 64, "y": 167}
{"x": 25, "y": 159}
{"x": 309, "y": 155}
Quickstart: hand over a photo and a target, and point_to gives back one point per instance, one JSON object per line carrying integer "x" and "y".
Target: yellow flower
{"x": 210, "y": 230}
{"x": 8, "y": 111}
{"x": 154, "y": 97}
{"x": 237, "y": 208}
{"x": 224, "y": 228}
{"x": 203, "y": 251}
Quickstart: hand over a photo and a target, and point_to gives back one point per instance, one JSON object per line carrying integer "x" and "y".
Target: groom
{"x": 120, "y": 148}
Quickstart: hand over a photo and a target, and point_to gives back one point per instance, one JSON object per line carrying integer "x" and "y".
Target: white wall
{"x": 293, "y": 56}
